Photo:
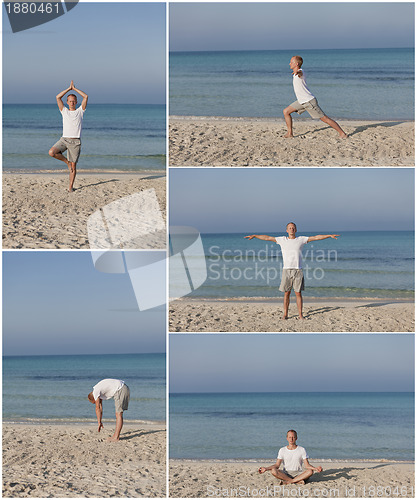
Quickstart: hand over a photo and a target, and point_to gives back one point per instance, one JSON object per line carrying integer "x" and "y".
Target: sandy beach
{"x": 240, "y": 480}
{"x": 205, "y": 141}
{"x": 39, "y": 212}
{"x": 76, "y": 461}
{"x": 324, "y": 315}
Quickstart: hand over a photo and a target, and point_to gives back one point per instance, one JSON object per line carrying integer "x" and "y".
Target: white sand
{"x": 39, "y": 212}
{"x": 330, "y": 315}
{"x": 77, "y": 461}
{"x": 203, "y": 141}
{"x": 338, "y": 480}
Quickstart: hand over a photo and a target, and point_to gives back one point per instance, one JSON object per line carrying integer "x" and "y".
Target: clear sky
{"x": 285, "y": 26}
{"x": 115, "y": 52}
{"x": 296, "y": 362}
{"x": 250, "y": 200}
{"x": 58, "y": 303}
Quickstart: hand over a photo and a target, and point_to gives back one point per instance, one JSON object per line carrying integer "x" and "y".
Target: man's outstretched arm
{"x": 322, "y": 237}
{"x": 307, "y": 465}
{"x": 99, "y": 413}
{"x": 264, "y": 237}
{"x": 82, "y": 94}
{"x": 60, "y": 96}
{"x": 277, "y": 464}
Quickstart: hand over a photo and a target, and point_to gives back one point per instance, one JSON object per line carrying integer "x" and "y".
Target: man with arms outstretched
{"x": 293, "y": 458}
{"x": 72, "y": 120}
{"x": 305, "y": 101}
{"x": 109, "y": 388}
{"x": 292, "y": 272}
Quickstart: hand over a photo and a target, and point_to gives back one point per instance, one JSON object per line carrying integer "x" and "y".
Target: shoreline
{"x": 278, "y": 119}
{"x": 321, "y": 316}
{"x": 260, "y": 142}
{"x": 76, "y": 461}
{"x": 39, "y": 212}
{"x": 133, "y": 173}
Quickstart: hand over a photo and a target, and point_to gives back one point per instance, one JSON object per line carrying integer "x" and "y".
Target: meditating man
{"x": 109, "y": 388}
{"x": 72, "y": 120}
{"x": 293, "y": 457}
{"x": 292, "y": 272}
{"x": 305, "y": 100}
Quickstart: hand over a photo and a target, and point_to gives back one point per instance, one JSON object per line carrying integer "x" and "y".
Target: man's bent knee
{"x": 52, "y": 152}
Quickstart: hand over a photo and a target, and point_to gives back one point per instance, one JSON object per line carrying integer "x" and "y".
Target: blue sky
{"x": 280, "y": 26}
{"x": 115, "y": 52}
{"x": 300, "y": 362}
{"x": 318, "y": 199}
{"x": 58, "y": 303}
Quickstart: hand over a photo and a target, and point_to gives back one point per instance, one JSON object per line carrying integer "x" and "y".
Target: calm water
{"x": 358, "y": 264}
{"x": 38, "y": 388}
{"x": 369, "y": 84}
{"x": 114, "y": 137}
{"x": 349, "y": 426}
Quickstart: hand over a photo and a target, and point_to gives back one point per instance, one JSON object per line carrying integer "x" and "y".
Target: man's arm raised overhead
{"x": 60, "y": 96}
{"x": 82, "y": 94}
{"x": 264, "y": 237}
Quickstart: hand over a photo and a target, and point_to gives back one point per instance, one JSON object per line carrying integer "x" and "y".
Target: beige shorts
{"x": 121, "y": 399}
{"x": 292, "y": 279}
{"x": 72, "y": 145}
{"x": 294, "y": 473}
{"x": 312, "y": 107}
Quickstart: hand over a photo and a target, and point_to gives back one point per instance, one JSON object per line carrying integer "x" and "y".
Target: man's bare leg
{"x": 334, "y": 125}
{"x": 119, "y": 425}
{"x": 55, "y": 153}
{"x": 288, "y": 120}
{"x": 286, "y": 304}
{"x": 280, "y": 475}
{"x": 299, "y": 298}
{"x": 301, "y": 478}
{"x": 73, "y": 172}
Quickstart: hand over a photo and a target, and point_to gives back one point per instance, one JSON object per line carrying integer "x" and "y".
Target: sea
{"x": 359, "y": 264}
{"x": 358, "y": 84}
{"x": 115, "y": 137}
{"x": 331, "y": 426}
{"x": 54, "y": 389}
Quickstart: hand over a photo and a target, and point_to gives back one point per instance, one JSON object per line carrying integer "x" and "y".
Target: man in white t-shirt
{"x": 292, "y": 272}
{"x": 305, "y": 100}
{"x": 293, "y": 457}
{"x": 72, "y": 120}
{"x": 109, "y": 388}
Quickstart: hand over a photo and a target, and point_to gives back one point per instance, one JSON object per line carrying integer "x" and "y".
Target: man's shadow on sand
{"x": 345, "y": 473}
{"x": 358, "y": 130}
{"x": 95, "y": 184}
{"x": 137, "y": 434}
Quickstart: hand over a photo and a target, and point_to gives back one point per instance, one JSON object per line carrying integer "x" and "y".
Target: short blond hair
{"x": 299, "y": 60}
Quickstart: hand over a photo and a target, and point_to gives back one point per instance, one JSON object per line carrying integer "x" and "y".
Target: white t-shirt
{"x": 292, "y": 459}
{"x": 291, "y": 251}
{"x": 72, "y": 122}
{"x": 107, "y": 388}
{"x": 300, "y": 88}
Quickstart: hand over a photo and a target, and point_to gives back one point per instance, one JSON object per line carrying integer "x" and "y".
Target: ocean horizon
{"x": 359, "y": 264}
{"x": 344, "y": 426}
{"x": 115, "y": 137}
{"x": 53, "y": 388}
{"x": 375, "y": 84}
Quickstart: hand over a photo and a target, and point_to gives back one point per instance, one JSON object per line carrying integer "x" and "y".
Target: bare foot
{"x": 112, "y": 439}
{"x": 288, "y": 135}
{"x": 300, "y": 482}
{"x": 285, "y": 317}
{"x": 301, "y": 317}
{"x": 343, "y": 136}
